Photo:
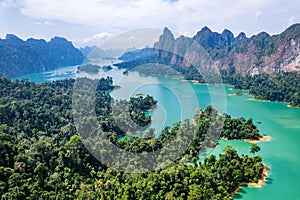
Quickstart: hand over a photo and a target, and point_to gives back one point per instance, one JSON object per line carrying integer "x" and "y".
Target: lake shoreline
{"x": 264, "y": 100}
{"x": 290, "y": 106}
{"x": 257, "y": 99}
{"x": 259, "y": 184}
{"x": 263, "y": 139}
{"x": 236, "y": 95}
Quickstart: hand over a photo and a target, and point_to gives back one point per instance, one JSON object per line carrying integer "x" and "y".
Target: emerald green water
{"x": 177, "y": 100}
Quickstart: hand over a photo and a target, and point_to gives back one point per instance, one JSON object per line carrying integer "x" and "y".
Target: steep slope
{"x": 261, "y": 53}
{"x": 18, "y": 57}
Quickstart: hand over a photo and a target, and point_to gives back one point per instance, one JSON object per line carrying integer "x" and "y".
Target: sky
{"x": 90, "y": 22}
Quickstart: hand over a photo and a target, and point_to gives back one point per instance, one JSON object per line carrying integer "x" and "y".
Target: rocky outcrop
{"x": 261, "y": 53}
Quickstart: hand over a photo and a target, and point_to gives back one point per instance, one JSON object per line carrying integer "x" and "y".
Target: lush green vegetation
{"x": 278, "y": 87}
{"x": 105, "y": 84}
{"x": 224, "y": 48}
{"x": 89, "y": 68}
{"x": 43, "y": 157}
{"x": 18, "y": 57}
{"x": 240, "y": 128}
{"x": 107, "y": 68}
{"x": 151, "y": 61}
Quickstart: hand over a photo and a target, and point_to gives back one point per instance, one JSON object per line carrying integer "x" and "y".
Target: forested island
{"x": 89, "y": 68}
{"x": 42, "y": 155}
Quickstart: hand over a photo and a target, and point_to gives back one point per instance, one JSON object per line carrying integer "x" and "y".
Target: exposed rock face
{"x": 18, "y": 57}
{"x": 166, "y": 40}
{"x": 261, "y": 53}
{"x": 182, "y": 52}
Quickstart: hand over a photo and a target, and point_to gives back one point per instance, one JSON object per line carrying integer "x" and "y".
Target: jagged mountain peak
{"x": 11, "y": 38}
{"x": 211, "y": 40}
{"x": 227, "y": 33}
{"x": 167, "y": 32}
{"x": 205, "y": 29}
{"x": 227, "y": 37}
{"x": 241, "y": 36}
{"x": 261, "y": 53}
{"x": 167, "y": 35}
{"x": 166, "y": 40}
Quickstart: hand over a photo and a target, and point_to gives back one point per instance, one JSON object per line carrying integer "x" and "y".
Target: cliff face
{"x": 182, "y": 52}
{"x": 264, "y": 53}
{"x": 261, "y": 53}
{"x": 18, "y": 57}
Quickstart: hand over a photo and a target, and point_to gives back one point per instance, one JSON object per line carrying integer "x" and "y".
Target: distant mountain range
{"x": 261, "y": 53}
{"x": 94, "y": 52}
{"x": 18, "y": 57}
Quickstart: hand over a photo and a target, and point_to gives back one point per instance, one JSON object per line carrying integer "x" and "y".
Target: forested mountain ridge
{"x": 267, "y": 66}
{"x": 261, "y": 53}
{"x": 18, "y": 57}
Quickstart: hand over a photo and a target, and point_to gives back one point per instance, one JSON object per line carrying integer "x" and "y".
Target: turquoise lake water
{"x": 178, "y": 100}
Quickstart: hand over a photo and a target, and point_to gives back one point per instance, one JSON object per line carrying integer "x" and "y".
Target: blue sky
{"x": 87, "y": 22}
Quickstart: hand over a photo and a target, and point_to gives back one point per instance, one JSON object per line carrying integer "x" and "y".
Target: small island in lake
{"x": 237, "y": 94}
{"x": 125, "y": 72}
{"x": 89, "y": 68}
{"x": 107, "y": 68}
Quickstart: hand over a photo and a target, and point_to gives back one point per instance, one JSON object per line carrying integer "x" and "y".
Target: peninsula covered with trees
{"x": 278, "y": 87}
{"x": 42, "y": 155}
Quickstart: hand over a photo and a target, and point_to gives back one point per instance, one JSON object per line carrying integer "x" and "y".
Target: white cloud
{"x": 45, "y": 23}
{"x": 101, "y": 36}
{"x": 123, "y": 15}
{"x": 257, "y": 14}
{"x": 96, "y": 39}
{"x": 79, "y": 19}
{"x": 7, "y": 4}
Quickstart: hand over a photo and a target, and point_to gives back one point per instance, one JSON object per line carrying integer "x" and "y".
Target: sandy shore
{"x": 261, "y": 181}
{"x": 193, "y": 81}
{"x": 259, "y": 184}
{"x": 290, "y": 106}
{"x": 236, "y": 95}
{"x": 140, "y": 94}
{"x": 255, "y": 99}
{"x": 263, "y": 100}
{"x": 263, "y": 139}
